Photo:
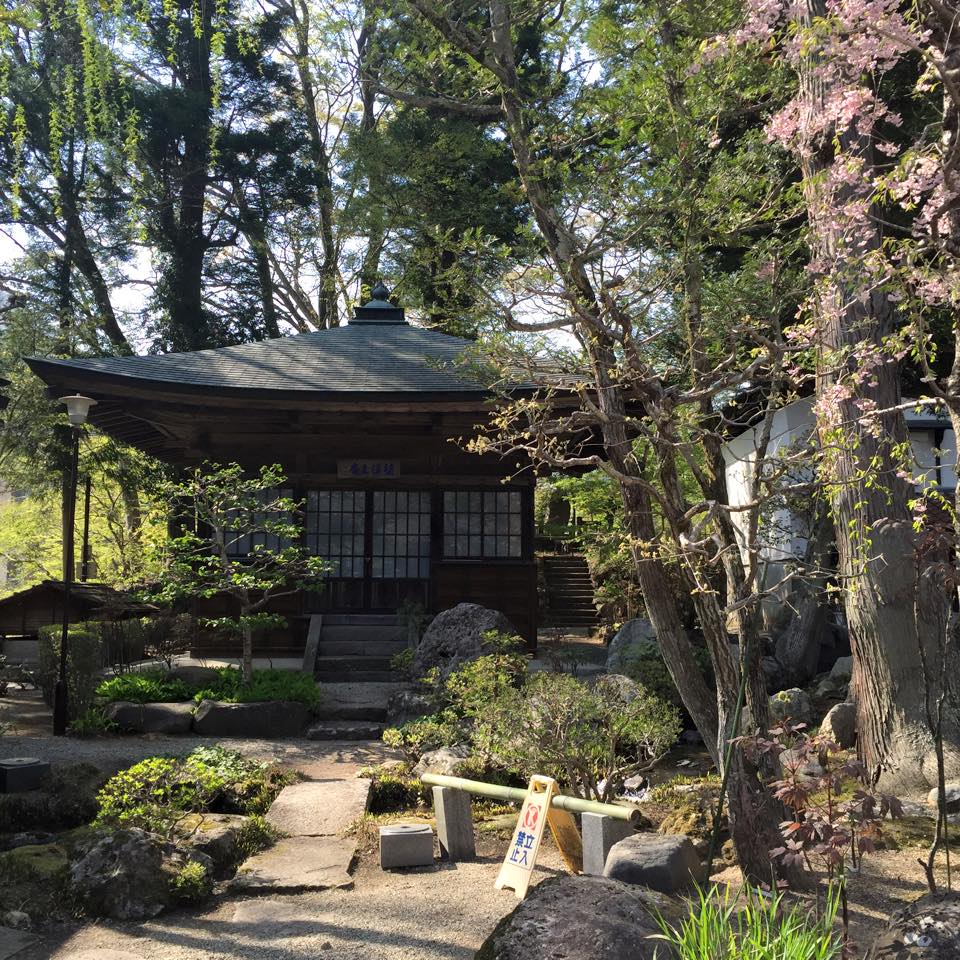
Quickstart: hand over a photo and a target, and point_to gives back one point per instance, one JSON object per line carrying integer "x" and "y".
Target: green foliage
{"x": 191, "y": 883}
{"x": 255, "y": 835}
{"x": 235, "y": 510}
{"x": 290, "y": 685}
{"x": 85, "y": 660}
{"x": 393, "y": 789}
{"x": 590, "y": 738}
{"x": 746, "y": 925}
{"x": 461, "y": 698}
{"x": 402, "y": 663}
{"x": 93, "y": 722}
{"x": 148, "y": 686}
{"x": 158, "y": 792}
{"x": 420, "y": 736}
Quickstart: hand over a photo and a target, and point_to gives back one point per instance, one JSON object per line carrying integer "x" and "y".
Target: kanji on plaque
{"x": 522, "y": 855}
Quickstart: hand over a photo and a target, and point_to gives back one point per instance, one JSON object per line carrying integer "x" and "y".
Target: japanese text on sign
{"x": 368, "y": 469}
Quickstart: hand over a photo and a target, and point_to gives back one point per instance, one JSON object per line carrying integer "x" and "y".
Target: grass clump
{"x": 728, "y": 927}
{"x": 191, "y": 883}
{"x": 93, "y": 722}
{"x": 289, "y": 685}
{"x": 148, "y": 686}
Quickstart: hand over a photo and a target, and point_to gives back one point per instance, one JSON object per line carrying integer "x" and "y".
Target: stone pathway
{"x": 314, "y": 857}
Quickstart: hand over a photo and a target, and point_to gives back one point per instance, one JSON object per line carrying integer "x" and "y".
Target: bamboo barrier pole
{"x": 496, "y": 792}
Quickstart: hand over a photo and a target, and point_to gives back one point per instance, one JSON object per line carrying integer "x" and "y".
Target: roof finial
{"x": 380, "y": 291}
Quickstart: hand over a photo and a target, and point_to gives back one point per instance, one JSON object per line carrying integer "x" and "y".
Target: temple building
{"x": 368, "y": 422}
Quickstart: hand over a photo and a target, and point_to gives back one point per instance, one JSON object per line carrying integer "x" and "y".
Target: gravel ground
{"x": 443, "y": 913}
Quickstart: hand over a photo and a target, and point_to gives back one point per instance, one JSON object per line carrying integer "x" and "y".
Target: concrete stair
{"x": 569, "y": 592}
{"x": 357, "y": 648}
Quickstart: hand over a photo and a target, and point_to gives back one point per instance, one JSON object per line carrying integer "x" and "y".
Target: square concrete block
{"x": 406, "y": 845}
{"x": 600, "y": 833}
{"x": 18, "y": 774}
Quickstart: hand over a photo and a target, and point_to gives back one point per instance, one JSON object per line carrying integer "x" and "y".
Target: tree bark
{"x": 875, "y": 538}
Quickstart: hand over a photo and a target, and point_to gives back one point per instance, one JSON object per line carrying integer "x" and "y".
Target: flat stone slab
{"x": 297, "y": 865}
{"x": 13, "y": 941}
{"x": 319, "y": 808}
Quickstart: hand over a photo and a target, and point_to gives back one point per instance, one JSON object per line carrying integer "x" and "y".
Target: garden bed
{"x": 204, "y": 701}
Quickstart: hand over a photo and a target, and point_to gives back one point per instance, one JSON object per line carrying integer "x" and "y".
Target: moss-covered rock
{"x": 33, "y": 880}
{"x": 41, "y": 862}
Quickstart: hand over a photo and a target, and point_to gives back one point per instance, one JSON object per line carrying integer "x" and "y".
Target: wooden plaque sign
{"x": 368, "y": 469}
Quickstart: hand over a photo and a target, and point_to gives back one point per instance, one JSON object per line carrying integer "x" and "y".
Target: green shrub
{"x": 93, "y": 722}
{"x": 291, "y": 685}
{"x": 424, "y": 734}
{"x": 402, "y": 663}
{"x": 588, "y": 738}
{"x": 722, "y": 926}
{"x": 148, "y": 686}
{"x": 191, "y": 883}
{"x": 85, "y": 659}
{"x": 255, "y": 835}
{"x": 159, "y": 791}
{"x": 392, "y": 790}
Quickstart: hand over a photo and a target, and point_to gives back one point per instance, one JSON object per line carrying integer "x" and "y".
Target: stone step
{"x": 332, "y": 664}
{"x": 344, "y": 711}
{"x": 360, "y": 633}
{"x": 355, "y": 676}
{"x": 360, "y": 648}
{"x": 345, "y": 730}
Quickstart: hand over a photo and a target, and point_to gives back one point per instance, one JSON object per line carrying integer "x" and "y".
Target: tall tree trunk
{"x": 327, "y": 301}
{"x": 874, "y": 532}
{"x": 186, "y": 243}
{"x": 247, "y": 653}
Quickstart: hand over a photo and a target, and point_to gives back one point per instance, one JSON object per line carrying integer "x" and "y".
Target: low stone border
{"x": 212, "y": 718}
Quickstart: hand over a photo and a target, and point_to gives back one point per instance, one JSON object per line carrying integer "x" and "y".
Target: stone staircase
{"x": 569, "y": 599}
{"x": 353, "y": 653}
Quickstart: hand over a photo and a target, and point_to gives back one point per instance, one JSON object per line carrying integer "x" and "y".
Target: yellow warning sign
{"x": 535, "y": 814}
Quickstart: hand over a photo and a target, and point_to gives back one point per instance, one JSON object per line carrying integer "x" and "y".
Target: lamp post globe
{"x": 78, "y": 409}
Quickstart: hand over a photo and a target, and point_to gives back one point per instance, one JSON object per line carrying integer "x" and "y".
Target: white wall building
{"x": 784, "y": 528}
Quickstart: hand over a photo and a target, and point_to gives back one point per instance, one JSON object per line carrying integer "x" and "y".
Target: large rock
{"x": 151, "y": 717}
{"x": 215, "y": 835}
{"x": 840, "y": 724}
{"x": 632, "y": 642}
{"x": 666, "y": 863}
{"x": 406, "y": 705}
{"x": 952, "y": 794}
{"x": 580, "y": 918}
{"x": 297, "y": 865}
{"x": 842, "y": 669}
{"x": 128, "y": 875}
{"x": 446, "y": 761}
{"x": 456, "y": 636}
{"x": 927, "y": 929}
{"x": 792, "y": 703}
{"x": 271, "y": 719}
{"x": 617, "y": 687}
